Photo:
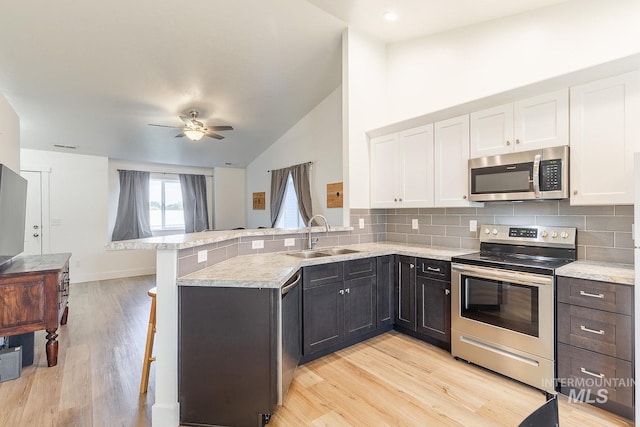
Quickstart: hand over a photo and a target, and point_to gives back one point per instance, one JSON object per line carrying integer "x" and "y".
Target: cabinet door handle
{"x": 508, "y": 142}
{"x": 593, "y": 374}
{"x": 575, "y": 192}
{"x": 587, "y": 294}
{"x": 400, "y": 199}
{"x": 346, "y": 291}
{"x": 593, "y": 331}
{"x": 447, "y": 291}
{"x": 341, "y": 291}
{"x": 395, "y": 200}
{"x": 411, "y": 266}
{"x": 517, "y": 141}
{"x": 436, "y": 269}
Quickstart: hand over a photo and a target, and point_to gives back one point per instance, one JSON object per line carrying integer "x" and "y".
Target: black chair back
{"x": 544, "y": 416}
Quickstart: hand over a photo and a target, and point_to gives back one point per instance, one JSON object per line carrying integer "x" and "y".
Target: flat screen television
{"x": 13, "y": 211}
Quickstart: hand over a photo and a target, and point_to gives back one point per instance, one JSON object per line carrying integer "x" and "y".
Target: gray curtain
{"x": 194, "y": 202}
{"x": 132, "y": 219}
{"x": 300, "y": 176}
{"x": 278, "y": 185}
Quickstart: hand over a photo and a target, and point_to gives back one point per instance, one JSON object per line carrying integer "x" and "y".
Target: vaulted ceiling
{"x": 92, "y": 74}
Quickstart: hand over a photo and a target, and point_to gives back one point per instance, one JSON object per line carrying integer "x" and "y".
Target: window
{"x": 165, "y": 204}
{"x": 289, "y": 213}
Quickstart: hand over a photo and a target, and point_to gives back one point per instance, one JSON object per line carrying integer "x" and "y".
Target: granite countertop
{"x": 272, "y": 270}
{"x": 601, "y": 271}
{"x": 190, "y": 240}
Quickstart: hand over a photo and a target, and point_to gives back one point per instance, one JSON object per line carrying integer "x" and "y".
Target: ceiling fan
{"x": 194, "y": 129}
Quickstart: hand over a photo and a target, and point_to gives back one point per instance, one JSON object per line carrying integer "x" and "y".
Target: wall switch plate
{"x": 202, "y": 256}
{"x": 473, "y": 225}
{"x": 414, "y": 224}
{"x": 361, "y": 223}
{"x": 289, "y": 242}
{"x": 257, "y": 244}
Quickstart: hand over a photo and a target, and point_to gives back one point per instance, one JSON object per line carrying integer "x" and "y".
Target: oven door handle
{"x": 528, "y": 279}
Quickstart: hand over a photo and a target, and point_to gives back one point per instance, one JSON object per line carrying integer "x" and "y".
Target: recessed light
{"x": 390, "y": 16}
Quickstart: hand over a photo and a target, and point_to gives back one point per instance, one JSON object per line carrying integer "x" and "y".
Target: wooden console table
{"x": 33, "y": 295}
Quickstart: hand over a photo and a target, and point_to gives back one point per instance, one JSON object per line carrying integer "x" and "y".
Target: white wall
{"x": 454, "y": 67}
{"x": 364, "y": 107}
{"x": 78, "y": 194}
{"x": 317, "y": 137}
{"x": 230, "y": 201}
{"x": 9, "y": 136}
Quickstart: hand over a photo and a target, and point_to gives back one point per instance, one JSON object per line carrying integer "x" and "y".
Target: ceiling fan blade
{"x": 165, "y": 126}
{"x": 187, "y": 120}
{"x": 180, "y": 135}
{"x": 214, "y": 135}
{"x": 219, "y": 128}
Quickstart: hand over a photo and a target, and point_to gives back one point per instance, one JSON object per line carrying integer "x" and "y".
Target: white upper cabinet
{"x": 452, "y": 162}
{"x": 402, "y": 169}
{"x": 604, "y": 136}
{"x": 538, "y": 122}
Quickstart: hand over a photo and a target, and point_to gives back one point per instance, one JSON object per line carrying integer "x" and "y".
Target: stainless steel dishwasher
{"x": 290, "y": 346}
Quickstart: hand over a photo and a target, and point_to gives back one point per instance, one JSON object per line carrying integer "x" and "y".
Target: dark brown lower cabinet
{"x": 339, "y": 303}
{"x": 405, "y": 292}
{"x": 595, "y": 343}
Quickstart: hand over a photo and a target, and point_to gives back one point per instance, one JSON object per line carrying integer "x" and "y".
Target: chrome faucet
{"x": 326, "y": 226}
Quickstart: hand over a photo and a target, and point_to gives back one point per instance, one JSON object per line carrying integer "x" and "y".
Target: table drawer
{"x": 594, "y": 294}
{"x": 596, "y": 330}
{"x": 605, "y": 379}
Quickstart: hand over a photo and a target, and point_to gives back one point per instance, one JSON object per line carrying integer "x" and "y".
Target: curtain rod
{"x": 166, "y": 173}
{"x": 309, "y": 163}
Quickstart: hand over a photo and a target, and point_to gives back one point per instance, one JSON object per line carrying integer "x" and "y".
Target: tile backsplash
{"x": 604, "y": 232}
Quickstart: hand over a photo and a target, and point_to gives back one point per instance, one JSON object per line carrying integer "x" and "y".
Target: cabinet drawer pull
{"x": 436, "y": 269}
{"x": 593, "y": 331}
{"x": 341, "y": 291}
{"x": 587, "y": 294}
{"x": 593, "y": 374}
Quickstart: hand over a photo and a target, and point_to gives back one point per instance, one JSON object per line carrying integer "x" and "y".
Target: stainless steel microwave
{"x": 527, "y": 175}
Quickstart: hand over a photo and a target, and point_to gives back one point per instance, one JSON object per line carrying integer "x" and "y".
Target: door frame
{"x": 45, "y": 227}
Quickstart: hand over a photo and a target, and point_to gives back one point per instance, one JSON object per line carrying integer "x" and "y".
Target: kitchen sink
{"x": 317, "y": 253}
{"x": 339, "y": 251}
{"x": 308, "y": 254}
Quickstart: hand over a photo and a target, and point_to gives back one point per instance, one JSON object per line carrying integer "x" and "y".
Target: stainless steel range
{"x": 503, "y": 300}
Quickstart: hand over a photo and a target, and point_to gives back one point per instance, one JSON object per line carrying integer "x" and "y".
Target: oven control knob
{"x": 495, "y": 231}
{"x": 564, "y": 234}
{"x": 487, "y": 231}
{"x": 554, "y": 234}
{"x": 544, "y": 233}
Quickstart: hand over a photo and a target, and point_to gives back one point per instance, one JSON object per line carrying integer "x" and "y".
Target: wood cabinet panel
{"x": 600, "y": 331}
{"x": 23, "y": 302}
{"x": 595, "y": 294}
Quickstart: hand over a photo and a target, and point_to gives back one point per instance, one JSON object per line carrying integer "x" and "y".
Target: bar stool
{"x": 148, "y": 350}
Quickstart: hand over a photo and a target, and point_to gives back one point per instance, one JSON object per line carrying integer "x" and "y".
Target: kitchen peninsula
{"x": 265, "y": 270}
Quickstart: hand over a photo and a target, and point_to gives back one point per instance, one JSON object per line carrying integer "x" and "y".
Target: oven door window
{"x": 506, "y": 305}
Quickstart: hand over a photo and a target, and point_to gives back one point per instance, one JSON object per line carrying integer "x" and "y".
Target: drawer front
{"x": 436, "y": 269}
{"x": 594, "y": 294}
{"x": 580, "y": 369}
{"x": 317, "y": 275}
{"x": 357, "y": 268}
{"x": 600, "y": 331}
{"x": 23, "y": 302}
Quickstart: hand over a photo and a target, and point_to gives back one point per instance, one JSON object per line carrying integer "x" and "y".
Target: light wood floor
{"x": 389, "y": 380}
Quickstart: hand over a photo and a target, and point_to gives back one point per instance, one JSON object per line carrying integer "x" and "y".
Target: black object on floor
{"x": 544, "y": 416}
{"x": 26, "y": 341}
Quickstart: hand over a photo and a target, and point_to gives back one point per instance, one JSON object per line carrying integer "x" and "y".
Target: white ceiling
{"x": 93, "y": 74}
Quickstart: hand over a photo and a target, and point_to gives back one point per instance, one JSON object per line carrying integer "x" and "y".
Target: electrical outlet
{"x": 361, "y": 223}
{"x": 202, "y": 256}
{"x": 289, "y": 242}
{"x": 473, "y": 225}
{"x": 257, "y": 244}
{"x": 414, "y": 224}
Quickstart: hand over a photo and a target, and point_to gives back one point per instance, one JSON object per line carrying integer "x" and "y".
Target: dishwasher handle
{"x": 286, "y": 288}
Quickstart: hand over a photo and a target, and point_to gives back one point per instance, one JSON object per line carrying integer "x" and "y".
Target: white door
{"x": 417, "y": 174}
{"x": 605, "y": 133}
{"x": 492, "y": 131}
{"x": 542, "y": 121}
{"x": 33, "y": 223}
{"x": 384, "y": 171}
{"x": 452, "y": 162}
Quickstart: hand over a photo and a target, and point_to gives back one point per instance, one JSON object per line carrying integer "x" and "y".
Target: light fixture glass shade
{"x": 194, "y": 134}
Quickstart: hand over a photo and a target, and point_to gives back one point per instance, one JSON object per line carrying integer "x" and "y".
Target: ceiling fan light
{"x": 194, "y": 134}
